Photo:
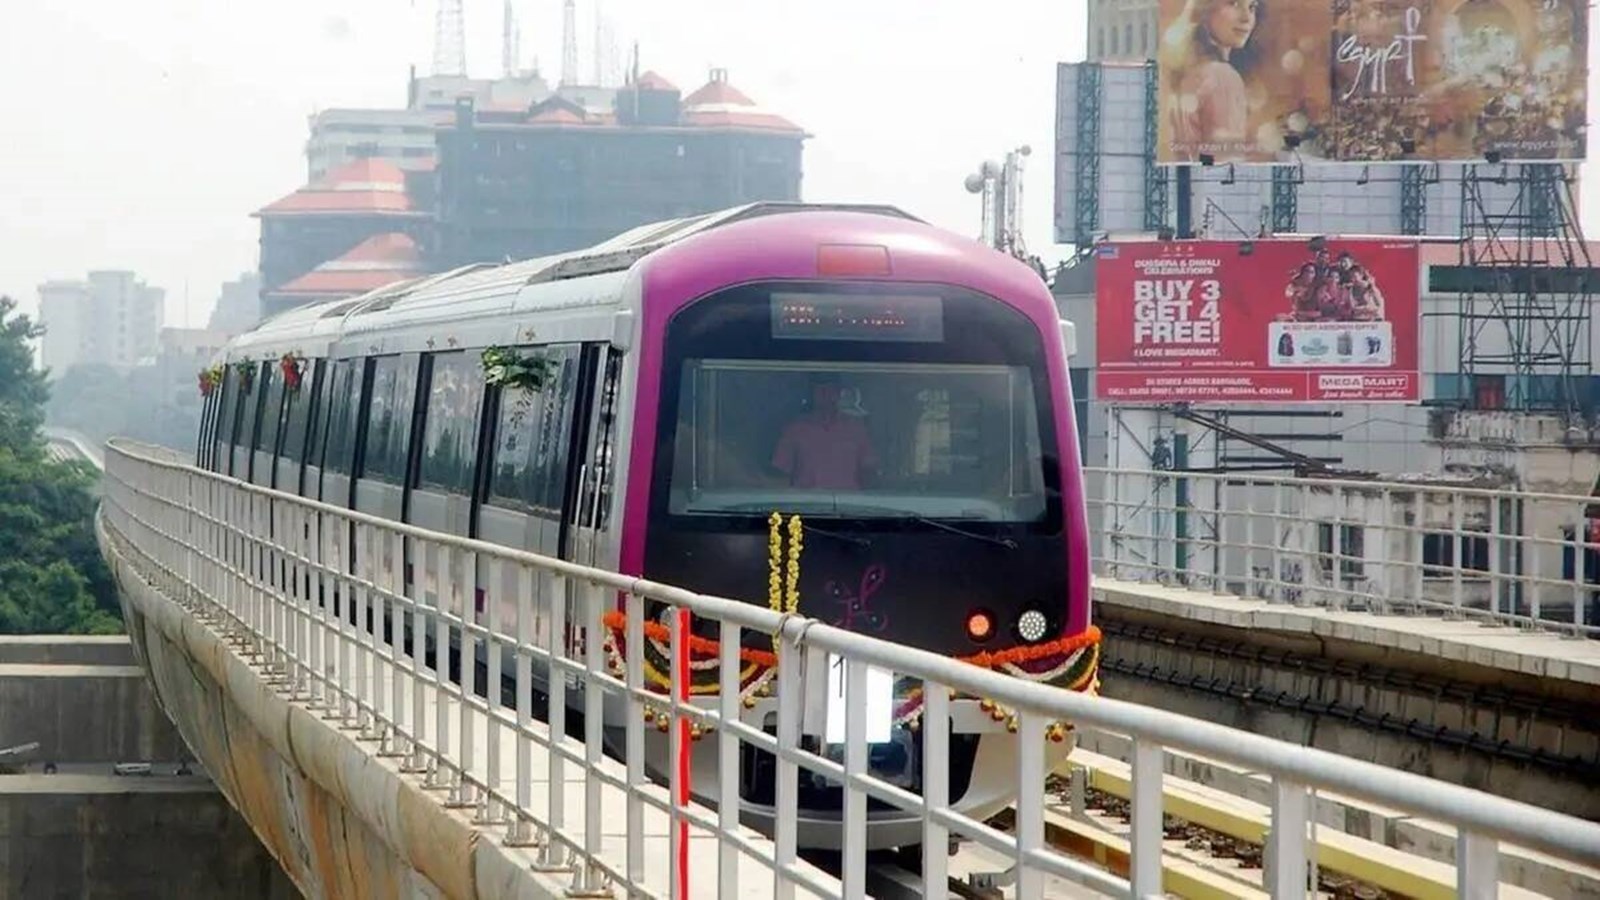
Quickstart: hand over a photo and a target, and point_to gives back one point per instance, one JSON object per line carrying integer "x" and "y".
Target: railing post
{"x": 1477, "y": 867}
{"x": 1286, "y": 851}
{"x": 935, "y": 787}
{"x": 1145, "y": 835}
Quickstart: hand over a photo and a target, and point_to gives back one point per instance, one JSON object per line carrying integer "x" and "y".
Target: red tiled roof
{"x": 555, "y": 115}
{"x": 717, "y": 91}
{"x": 738, "y": 118}
{"x": 379, "y": 260}
{"x": 652, "y": 81}
{"x": 360, "y": 186}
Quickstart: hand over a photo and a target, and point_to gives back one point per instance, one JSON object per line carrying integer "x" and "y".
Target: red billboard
{"x": 1290, "y": 321}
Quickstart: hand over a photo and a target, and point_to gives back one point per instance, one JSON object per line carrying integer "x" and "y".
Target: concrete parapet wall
{"x": 342, "y": 822}
{"x": 85, "y": 714}
{"x": 66, "y": 650}
{"x": 104, "y": 836}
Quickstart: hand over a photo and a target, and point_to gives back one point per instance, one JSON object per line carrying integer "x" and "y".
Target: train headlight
{"x": 980, "y": 625}
{"x": 1032, "y": 625}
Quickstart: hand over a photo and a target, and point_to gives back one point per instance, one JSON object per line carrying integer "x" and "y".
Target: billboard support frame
{"x": 1545, "y": 330}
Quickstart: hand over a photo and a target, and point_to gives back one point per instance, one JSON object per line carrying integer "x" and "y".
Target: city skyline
{"x": 212, "y": 124}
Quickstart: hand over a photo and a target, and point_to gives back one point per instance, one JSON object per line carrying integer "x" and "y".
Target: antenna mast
{"x": 449, "y": 39}
{"x": 598, "y": 77}
{"x": 569, "y": 43}
{"x": 510, "y": 40}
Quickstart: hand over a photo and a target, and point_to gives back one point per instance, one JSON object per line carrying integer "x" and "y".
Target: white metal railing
{"x": 1519, "y": 557}
{"x": 251, "y": 563}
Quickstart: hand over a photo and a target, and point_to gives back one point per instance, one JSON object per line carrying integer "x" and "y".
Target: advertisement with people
{"x": 1290, "y": 321}
{"x": 1236, "y": 76}
{"x": 1259, "y": 81}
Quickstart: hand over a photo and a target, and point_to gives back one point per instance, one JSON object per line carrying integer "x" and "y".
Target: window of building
{"x": 533, "y": 438}
{"x": 394, "y": 393}
{"x": 450, "y": 429}
{"x": 1439, "y": 554}
{"x": 1351, "y": 549}
{"x": 1127, "y": 38}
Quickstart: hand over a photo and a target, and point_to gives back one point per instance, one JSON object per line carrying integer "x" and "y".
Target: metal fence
{"x": 252, "y": 563}
{"x": 1401, "y": 547}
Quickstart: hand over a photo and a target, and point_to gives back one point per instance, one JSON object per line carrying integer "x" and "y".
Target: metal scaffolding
{"x": 1413, "y": 199}
{"x": 1088, "y": 176}
{"x": 1285, "y": 199}
{"x": 1525, "y": 285}
{"x": 1155, "y": 176}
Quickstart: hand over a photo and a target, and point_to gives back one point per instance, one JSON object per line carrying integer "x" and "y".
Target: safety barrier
{"x": 254, "y": 562}
{"x": 1420, "y": 546}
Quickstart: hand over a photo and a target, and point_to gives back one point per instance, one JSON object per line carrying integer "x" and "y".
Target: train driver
{"x": 823, "y": 449}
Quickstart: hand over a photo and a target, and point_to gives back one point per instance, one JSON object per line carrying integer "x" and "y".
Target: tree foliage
{"x": 52, "y": 579}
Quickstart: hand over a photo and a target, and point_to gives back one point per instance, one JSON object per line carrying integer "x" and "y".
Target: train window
{"x": 249, "y": 408}
{"x": 394, "y": 394}
{"x": 450, "y": 430}
{"x": 343, "y": 403}
{"x": 598, "y": 513}
{"x": 880, "y": 439}
{"x": 271, "y": 410}
{"x": 223, "y": 424}
{"x": 533, "y": 437}
{"x": 297, "y": 413}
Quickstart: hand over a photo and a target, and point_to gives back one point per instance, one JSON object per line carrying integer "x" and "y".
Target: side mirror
{"x": 622, "y": 331}
{"x": 1069, "y": 338}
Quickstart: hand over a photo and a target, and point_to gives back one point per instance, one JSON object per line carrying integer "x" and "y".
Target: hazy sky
{"x": 142, "y": 135}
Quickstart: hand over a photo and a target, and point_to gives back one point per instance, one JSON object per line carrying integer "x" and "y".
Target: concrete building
{"x": 111, "y": 318}
{"x": 330, "y": 217}
{"x": 1122, "y": 30}
{"x": 576, "y": 169}
{"x": 405, "y": 137}
{"x": 238, "y": 305}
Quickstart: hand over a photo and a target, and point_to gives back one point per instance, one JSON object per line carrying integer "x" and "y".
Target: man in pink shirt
{"x": 823, "y": 449}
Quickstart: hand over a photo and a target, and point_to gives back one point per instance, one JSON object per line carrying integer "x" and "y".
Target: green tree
{"x": 52, "y": 579}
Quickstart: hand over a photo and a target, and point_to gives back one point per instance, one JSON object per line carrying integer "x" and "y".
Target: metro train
{"x": 672, "y": 403}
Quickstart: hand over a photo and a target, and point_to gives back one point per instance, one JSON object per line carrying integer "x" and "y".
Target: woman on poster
{"x": 1204, "y": 57}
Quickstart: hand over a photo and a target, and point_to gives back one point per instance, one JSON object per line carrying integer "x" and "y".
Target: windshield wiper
{"x": 1005, "y": 542}
{"x": 847, "y": 538}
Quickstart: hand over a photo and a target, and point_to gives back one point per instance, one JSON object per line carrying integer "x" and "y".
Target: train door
{"x": 586, "y": 519}
{"x": 331, "y": 480}
{"x": 440, "y": 497}
{"x": 263, "y": 458}
{"x": 301, "y": 407}
{"x": 526, "y": 471}
{"x": 249, "y": 412}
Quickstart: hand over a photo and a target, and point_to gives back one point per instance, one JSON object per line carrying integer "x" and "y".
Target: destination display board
{"x": 1259, "y": 321}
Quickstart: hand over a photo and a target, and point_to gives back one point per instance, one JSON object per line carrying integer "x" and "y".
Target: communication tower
{"x": 1525, "y": 288}
{"x": 569, "y": 43}
{"x": 449, "y": 39}
{"x": 510, "y": 41}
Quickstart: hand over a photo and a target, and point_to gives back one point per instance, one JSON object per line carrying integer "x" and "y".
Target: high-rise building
{"x": 567, "y": 174}
{"x": 238, "y": 305}
{"x": 1122, "y": 30}
{"x": 111, "y": 318}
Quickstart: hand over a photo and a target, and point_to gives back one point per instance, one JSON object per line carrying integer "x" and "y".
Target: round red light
{"x": 979, "y": 626}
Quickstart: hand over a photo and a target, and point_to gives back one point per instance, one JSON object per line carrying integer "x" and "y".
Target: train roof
{"x": 486, "y": 289}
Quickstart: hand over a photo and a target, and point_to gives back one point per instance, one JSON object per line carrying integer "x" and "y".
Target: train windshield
{"x": 779, "y": 401}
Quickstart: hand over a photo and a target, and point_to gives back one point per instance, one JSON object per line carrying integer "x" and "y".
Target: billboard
{"x": 1257, "y": 321}
{"x": 1439, "y": 80}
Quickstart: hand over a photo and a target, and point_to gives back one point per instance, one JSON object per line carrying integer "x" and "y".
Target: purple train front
{"x": 890, "y": 398}
{"x": 903, "y": 392}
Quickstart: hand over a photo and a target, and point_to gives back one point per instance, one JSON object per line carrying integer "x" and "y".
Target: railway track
{"x": 1214, "y": 839}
